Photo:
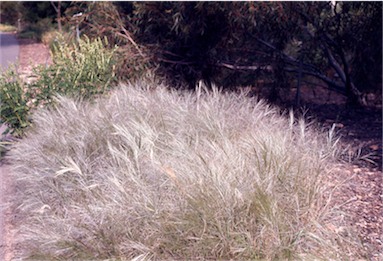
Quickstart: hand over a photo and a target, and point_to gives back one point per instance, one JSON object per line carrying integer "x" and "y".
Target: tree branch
{"x": 175, "y": 62}
{"x": 289, "y": 59}
{"x": 332, "y": 84}
{"x": 352, "y": 91}
{"x": 267, "y": 68}
{"x": 334, "y": 64}
{"x": 55, "y": 7}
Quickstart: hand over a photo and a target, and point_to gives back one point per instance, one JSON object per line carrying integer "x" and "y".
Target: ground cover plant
{"x": 151, "y": 173}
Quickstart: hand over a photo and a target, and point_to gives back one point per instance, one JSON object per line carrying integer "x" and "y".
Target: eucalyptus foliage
{"x": 240, "y": 43}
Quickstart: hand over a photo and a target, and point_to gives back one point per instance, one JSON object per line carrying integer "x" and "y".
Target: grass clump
{"x": 157, "y": 174}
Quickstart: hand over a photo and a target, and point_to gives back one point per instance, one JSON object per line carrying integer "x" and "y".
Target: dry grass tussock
{"x": 152, "y": 174}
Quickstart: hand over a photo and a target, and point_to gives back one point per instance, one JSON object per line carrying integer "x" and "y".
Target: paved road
{"x": 9, "y": 50}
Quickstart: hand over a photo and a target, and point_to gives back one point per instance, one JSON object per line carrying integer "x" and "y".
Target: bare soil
{"x": 360, "y": 197}
{"x": 32, "y": 54}
{"x": 360, "y": 131}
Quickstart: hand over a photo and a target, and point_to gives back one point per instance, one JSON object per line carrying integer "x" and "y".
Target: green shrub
{"x": 152, "y": 173}
{"x": 36, "y": 30}
{"x": 14, "y": 107}
{"x": 31, "y": 32}
{"x": 103, "y": 19}
{"x": 84, "y": 69}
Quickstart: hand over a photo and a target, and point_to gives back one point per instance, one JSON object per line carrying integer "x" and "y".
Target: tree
{"x": 339, "y": 32}
{"x": 10, "y": 12}
{"x": 58, "y": 11}
{"x": 36, "y": 11}
{"x": 33, "y": 12}
{"x": 242, "y": 43}
{"x": 205, "y": 40}
{"x": 181, "y": 36}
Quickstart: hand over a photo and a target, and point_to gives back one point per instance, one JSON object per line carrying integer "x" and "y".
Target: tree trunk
{"x": 58, "y": 11}
{"x": 298, "y": 93}
{"x": 354, "y": 96}
{"x": 59, "y": 16}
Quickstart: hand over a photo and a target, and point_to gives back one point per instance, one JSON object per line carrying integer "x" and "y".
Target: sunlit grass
{"x": 149, "y": 173}
{"x": 7, "y": 28}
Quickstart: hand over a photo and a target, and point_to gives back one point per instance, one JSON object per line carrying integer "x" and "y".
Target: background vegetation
{"x": 275, "y": 45}
{"x": 234, "y": 44}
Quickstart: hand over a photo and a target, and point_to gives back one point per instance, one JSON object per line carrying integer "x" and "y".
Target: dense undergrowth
{"x": 150, "y": 173}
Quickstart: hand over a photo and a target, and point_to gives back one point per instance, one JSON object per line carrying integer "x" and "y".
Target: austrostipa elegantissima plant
{"x": 158, "y": 174}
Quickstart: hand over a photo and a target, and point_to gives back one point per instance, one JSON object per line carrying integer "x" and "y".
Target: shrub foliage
{"x": 241, "y": 43}
{"x": 85, "y": 69}
{"x": 14, "y": 109}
